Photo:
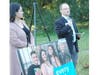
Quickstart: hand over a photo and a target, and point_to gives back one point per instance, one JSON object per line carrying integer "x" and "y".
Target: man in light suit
{"x": 65, "y": 27}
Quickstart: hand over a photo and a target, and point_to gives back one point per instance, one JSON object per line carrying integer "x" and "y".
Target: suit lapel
{"x": 65, "y": 21}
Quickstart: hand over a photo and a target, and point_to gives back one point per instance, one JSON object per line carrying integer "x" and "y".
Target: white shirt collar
{"x": 66, "y": 17}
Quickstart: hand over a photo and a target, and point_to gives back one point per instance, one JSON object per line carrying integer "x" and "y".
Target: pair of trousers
{"x": 74, "y": 56}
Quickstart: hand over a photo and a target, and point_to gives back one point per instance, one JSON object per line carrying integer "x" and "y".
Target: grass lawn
{"x": 84, "y": 53}
{"x": 83, "y": 47}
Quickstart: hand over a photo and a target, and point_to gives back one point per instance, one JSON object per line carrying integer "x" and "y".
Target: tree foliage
{"x": 49, "y": 10}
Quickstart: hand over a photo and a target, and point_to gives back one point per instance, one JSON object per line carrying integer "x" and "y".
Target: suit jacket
{"x": 17, "y": 40}
{"x": 65, "y": 31}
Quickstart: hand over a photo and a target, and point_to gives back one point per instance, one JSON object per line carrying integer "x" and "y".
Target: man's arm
{"x": 62, "y": 29}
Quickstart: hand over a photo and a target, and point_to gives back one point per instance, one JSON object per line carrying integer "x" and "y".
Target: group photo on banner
{"x": 47, "y": 59}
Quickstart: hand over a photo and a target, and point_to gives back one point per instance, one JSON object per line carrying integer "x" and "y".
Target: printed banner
{"x": 52, "y": 58}
{"x": 66, "y": 69}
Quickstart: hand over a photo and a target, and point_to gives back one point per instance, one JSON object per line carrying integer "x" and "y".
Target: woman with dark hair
{"x": 20, "y": 36}
{"x": 46, "y": 67}
{"x": 52, "y": 56}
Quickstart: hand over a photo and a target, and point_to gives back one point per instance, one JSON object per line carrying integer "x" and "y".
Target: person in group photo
{"x": 46, "y": 67}
{"x": 65, "y": 27}
{"x": 54, "y": 60}
{"x": 20, "y": 36}
{"x": 34, "y": 69}
{"x": 63, "y": 52}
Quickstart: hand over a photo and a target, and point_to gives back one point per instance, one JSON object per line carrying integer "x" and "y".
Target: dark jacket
{"x": 66, "y": 32}
{"x": 31, "y": 69}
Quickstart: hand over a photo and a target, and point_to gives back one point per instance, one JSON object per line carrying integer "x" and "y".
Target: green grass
{"x": 84, "y": 52}
{"x": 84, "y": 40}
{"x": 83, "y": 59}
{"x": 83, "y": 47}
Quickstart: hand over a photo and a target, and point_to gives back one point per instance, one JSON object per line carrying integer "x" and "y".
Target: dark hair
{"x": 14, "y": 7}
{"x": 54, "y": 53}
{"x": 41, "y": 59}
{"x": 33, "y": 52}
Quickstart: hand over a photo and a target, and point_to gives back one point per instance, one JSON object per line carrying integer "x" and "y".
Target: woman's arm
{"x": 58, "y": 61}
{"x": 43, "y": 69}
{"x": 15, "y": 41}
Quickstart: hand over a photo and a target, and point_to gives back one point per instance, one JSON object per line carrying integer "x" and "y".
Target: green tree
{"x": 49, "y": 10}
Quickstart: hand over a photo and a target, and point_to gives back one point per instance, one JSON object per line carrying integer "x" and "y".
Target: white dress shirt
{"x": 72, "y": 27}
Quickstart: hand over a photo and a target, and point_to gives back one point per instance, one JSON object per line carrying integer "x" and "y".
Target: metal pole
{"x": 34, "y": 5}
{"x": 45, "y": 30}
